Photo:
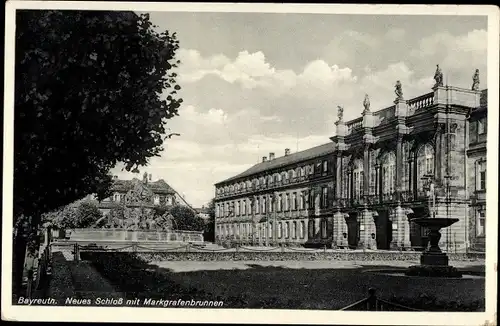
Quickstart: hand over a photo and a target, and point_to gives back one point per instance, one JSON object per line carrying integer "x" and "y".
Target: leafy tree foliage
{"x": 88, "y": 95}
{"x": 85, "y": 215}
{"x": 209, "y": 231}
{"x": 92, "y": 89}
{"x": 186, "y": 219}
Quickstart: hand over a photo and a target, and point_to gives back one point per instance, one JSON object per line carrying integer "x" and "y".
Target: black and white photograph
{"x": 262, "y": 163}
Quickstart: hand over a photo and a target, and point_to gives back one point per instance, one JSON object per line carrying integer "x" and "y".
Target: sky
{"x": 255, "y": 83}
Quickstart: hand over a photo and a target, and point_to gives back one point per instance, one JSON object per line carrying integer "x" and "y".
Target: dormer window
{"x": 116, "y": 197}
{"x": 156, "y": 200}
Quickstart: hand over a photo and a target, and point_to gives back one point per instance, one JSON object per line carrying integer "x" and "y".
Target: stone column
{"x": 400, "y": 234}
{"x": 366, "y": 171}
{"x": 339, "y": 228}
{"x": 399, "y": 165}
{"x": 368, "y": 228}
{"x": 339, "y": 176}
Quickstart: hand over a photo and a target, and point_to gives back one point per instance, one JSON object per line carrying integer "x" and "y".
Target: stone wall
{"x": 297, "y": 256}
{"x": 135, "y": 235}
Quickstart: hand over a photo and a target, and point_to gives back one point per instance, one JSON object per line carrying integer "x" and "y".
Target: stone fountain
{"x": 434, "y": 262}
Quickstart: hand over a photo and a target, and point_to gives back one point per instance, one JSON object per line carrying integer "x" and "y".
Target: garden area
{"x": 329, "y": 285}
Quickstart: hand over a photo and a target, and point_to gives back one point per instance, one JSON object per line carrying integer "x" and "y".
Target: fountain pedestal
{"x": 434, "y": 262}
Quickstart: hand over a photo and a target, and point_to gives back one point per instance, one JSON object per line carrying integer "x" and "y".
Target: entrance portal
{"x": 384, "y": 229}
{"x": 353, "y": 228}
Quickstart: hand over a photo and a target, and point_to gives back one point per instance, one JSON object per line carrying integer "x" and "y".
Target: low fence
{"x": 373, "y": 303}
{"x": 135, "y": 235}
{"x": 196, "y": 252}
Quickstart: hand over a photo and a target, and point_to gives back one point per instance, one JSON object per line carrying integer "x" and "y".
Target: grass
{"x": 286, "y": 288}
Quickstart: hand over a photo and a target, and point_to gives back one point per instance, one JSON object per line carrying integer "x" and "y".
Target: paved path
{"x": 77, "y": 280}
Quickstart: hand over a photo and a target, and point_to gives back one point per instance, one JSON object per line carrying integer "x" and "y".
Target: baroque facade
{"x": 141, "y": 194}
{"x": 420, "y": 157}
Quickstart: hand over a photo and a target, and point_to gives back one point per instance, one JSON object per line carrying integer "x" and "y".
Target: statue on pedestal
{"x": 366, "y": 104}
{"x": 340, "y": 113}
{"x": 398, "y": 90}
{"x": 438, "y": 77}
{"x": 475, "y": 81}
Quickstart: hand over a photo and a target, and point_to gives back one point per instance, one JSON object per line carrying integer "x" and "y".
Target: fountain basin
{"x": 433, "y": 262}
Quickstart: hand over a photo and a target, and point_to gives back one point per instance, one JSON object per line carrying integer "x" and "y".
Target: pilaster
{"x": 340, "y": 230}
{"x": 400, "y": 229}
{"x": 368, "y": 231}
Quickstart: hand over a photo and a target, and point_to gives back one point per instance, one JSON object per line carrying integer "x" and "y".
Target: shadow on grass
{"x": 279, "y": 287}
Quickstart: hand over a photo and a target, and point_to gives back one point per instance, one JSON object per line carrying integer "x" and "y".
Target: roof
{"x": 158, "y": 187}
{"x": 282, "y": 161}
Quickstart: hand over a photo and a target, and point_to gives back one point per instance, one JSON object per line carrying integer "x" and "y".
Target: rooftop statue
{"x": 366, "y": 104}
{"x": 475, "y": 81}
{"x": 438, "y": 77}
{"x": 398, "y": 90}
{"x": 340, "y": 112}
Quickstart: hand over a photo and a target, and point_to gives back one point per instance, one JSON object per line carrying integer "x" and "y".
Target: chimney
{"x": 271, "y": 156}
{"x": 264, "y": 159}
{"x": 287, "y": 151}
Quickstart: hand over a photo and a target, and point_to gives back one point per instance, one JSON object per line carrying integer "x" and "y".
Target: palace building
{"x": 420, "y": 157}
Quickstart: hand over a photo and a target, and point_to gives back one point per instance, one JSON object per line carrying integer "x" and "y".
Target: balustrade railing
{"x": 354, "y": 125}
{"x": 421, "y": 101}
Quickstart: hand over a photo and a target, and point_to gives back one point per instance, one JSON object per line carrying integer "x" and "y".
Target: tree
{"x": 92, "y": 89}
{"x": 209, "y": 231}
{"x": 186, "y": 219}
{"x": 87, "y": 214}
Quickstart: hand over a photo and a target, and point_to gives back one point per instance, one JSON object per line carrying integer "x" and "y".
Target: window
{"x": 323, "y": 229}
{"x": 217, "y": 211}
{"x": 302, "y": 228}
{"x": 481, "y": 126}
{"x": 280, "y": 203}
{"x": 238, "y": 208}
{"x": 325, "y": 166}
{"x": 302, "y": 172}
{"x": 481, "y": 175}
{"x": 481, "y": 223}
{"x": 311, "y": 169}
{"x": 311, "y": 199}
{"x": 280, "y": 230}
{"x": 388, "y": 173}
{"x": 302, "y": 200}
{"x": 294, "y": 230}
{"x": 244, "y": 207}
{"x": 311, "y": 228}
{"x": 324, "y": 197}
{"x": 287, "y": 202}
{"x": 270, "y": 201}
{"x": 263, "y": 205}
{"x": 287, "y": 230}
{"x": 358, "y": 178}
{"x": 116, "y": 197}
{"x": 294, "y": 201}
{"x": 270, "y": 231}
{"x": 257, "y": 205}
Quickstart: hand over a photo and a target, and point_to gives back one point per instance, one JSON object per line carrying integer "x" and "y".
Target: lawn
{"x": 323, "y": 285}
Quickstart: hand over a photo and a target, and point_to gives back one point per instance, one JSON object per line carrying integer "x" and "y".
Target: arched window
{"x": 294, "y": 230}
{"x": 264, "y": 205}
{"x": 425, "y": 164}
{"x": 302, "y": 229}
{"x": 357, "y": 175}
{"x": 280, "y": 230}
{"x": 389, "y": 173}
{"x": 270, "y": 232}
